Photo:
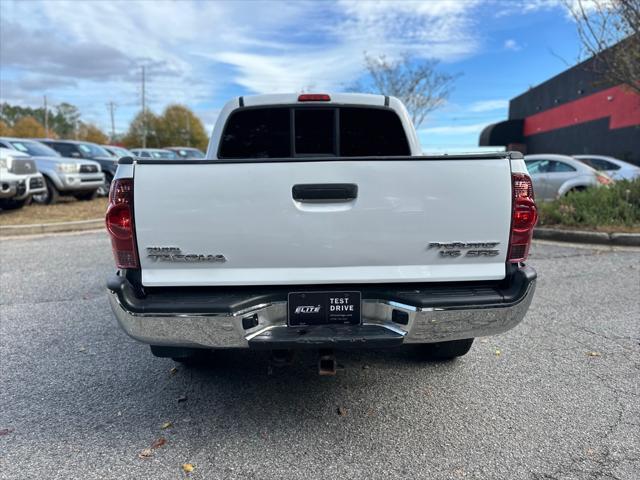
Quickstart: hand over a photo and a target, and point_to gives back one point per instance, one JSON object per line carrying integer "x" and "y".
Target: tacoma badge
{"x": 174, "y": 254}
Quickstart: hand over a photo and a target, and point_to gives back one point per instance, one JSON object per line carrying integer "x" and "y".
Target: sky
{"x": 202, "y": 53}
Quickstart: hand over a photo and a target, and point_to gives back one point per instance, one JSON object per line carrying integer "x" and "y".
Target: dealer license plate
{"x": 322, "y": 308}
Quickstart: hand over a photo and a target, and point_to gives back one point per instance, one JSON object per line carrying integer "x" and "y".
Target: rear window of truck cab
{"x": 283, "y": 132}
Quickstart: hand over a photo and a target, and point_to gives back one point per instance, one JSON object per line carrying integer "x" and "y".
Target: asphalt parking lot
{"x": 556, "y": 398}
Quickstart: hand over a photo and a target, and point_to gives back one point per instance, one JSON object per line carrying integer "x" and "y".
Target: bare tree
{"x": 601, "y": 24}
{"x": 418, "y": 83}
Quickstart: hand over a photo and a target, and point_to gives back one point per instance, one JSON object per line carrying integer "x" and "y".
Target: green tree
{"x": 137, "y": 127}
{"x": 28, "y": 127}
{"x": 62, "y": 118}
{"x": 5, "y": 130}
{"x": 179, "y": 126}
{"x": 90, "y": 133}
{"x": 10, "y": 114}
{"x": 64, "y": 121}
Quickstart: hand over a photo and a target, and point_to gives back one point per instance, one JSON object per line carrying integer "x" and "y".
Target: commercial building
{"x": 577, "y": 111}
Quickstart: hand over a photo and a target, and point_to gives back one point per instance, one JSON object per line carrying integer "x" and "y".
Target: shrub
{"x": 615, "y": 206}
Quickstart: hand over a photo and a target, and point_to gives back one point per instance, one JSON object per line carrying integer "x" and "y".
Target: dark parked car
{"x": 90, "y": 151}
{"x": 156, "y": 153}
{"x": 118, "y": 151}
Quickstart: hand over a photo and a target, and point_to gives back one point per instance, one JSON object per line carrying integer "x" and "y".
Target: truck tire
{"x": 447, "y": 350}
{"x": 86, "y": 196}
{"x": 575, "y": 190}
{"x": 103, "y": 191}
{"x": 50, "y": 196}
{"x": 11, "y": 204}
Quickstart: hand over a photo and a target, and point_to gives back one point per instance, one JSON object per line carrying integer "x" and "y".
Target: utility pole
{"x": 112, "y": 106}
{"x": 144, "y": 113}
{"x": 46, "y": 119}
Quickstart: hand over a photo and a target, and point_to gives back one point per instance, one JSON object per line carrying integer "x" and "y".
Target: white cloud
{"x": 519, "y": 7}
{"x": 511, "y": 44}
{"x": 89, "y": 53}
{"x": 293, "y": 72}
{"x": 436, "y": 29}
{"x": 440, "y": 30}
{"x": 255, "y": 38}
{"x": 488, "y": 105}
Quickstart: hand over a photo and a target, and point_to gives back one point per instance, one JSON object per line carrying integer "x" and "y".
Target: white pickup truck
{"x": 316, "y": 222}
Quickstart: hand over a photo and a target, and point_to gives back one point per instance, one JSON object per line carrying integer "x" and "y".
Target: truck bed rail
{"x": 313, "y": 158}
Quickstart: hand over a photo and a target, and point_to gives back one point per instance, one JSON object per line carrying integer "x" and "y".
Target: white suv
{"x": 19, "y": 179}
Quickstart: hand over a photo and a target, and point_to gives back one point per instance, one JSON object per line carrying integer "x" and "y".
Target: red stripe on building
{"x": 618, "y": 103}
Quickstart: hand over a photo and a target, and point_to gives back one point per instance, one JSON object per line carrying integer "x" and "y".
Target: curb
{"x": 15, "y": 230}
{"x": 581, "y": 236}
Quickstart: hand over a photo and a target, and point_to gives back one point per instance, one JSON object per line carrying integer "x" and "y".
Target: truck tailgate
{"x": 237, "y": 223}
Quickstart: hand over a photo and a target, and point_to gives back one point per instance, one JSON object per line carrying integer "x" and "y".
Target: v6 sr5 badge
{"x": 466, "y": 249}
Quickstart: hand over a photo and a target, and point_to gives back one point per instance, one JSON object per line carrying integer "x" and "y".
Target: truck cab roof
{"x": 293, "y": 98}
{"x": 298, "y": 101}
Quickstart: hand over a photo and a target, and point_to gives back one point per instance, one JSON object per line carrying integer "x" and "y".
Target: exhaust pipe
{"x": 326, "y": 363}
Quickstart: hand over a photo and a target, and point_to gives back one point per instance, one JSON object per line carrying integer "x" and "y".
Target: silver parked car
{"x": 19, "y": 179}
{"x": 63, "y": 176}
{"x": 556, "y": 175}
{"x": 187, "y": 152}
{"x": 615, "y": 168}
{"x": 88, "y": 151}
{"x": 155, "y": 153}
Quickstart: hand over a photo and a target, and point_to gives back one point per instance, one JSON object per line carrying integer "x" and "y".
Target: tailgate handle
{"x": 324, "y": 192}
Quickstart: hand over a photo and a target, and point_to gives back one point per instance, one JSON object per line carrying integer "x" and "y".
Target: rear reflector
{"x": 314, "y": 97}
{"x": 120, "y": 225}
{"x": 523, "y": 218}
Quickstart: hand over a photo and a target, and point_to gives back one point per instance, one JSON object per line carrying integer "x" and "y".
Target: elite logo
{"x": 308, "y": 309}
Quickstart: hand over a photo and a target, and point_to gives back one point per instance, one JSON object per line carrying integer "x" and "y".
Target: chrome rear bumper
{"x": 265, "y": 325}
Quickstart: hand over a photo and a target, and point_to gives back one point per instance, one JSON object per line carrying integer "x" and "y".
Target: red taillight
{"x": 314, "y": 97}
{"x": 523, "y": 218}
{"x": 119, "y": 221}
